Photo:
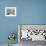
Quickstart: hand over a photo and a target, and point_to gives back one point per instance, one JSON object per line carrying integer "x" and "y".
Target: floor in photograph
{"x": 30, "y": 43}
{"x": 9, "y": 45}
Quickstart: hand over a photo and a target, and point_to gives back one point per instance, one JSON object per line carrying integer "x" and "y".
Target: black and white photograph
{"x": 10, "y": 11}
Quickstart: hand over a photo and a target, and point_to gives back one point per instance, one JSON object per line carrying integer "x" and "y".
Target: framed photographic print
{"x": 10, "y": 11}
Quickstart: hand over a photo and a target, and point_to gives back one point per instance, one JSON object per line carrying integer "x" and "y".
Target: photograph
{"x": 29, "y": 34}
{"x": 10, "y": 11}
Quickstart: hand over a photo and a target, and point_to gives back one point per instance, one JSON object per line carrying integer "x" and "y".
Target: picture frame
{"x": 10, "y": 11}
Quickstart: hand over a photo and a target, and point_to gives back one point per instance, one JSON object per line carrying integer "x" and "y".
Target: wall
{"x": 28, "y": 12}
{"x": 33, "y": 11}
{"x": 7, "y": 24}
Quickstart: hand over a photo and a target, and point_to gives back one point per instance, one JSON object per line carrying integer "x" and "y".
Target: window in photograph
{"x": 10, "y": 11}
